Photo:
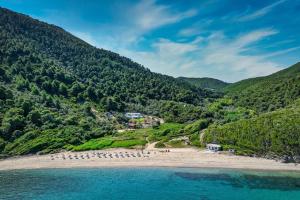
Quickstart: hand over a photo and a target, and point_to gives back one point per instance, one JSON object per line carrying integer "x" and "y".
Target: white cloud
{"x": 196, "y": 28}
{"x": 253, "y": 36}
{"x": 148, "y": 15}
{"x": 142, "y": 18}
{"x": 261, "y": 12}
{"x": 168, "y": 57}
{"x": 189, "y": 31}
{"x": 134, "y": 22}
{"x": 216, "y": 55}
{"x": 285, "y": 51}
{"x": 167, "y": 47}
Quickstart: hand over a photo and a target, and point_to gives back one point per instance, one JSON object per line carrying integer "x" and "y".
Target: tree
{"x": 92, "y": 94}
{"x": 63, "y": 89}
{"x": 26, "y": 106}
{"x": 22, "y": 83}
{"x": 5, "y": 93}
{"x": 76, "y": 89}
{"x": 13, "y": 120}
{"x": 35, "y": 117}
{"x": 109, "y": 104}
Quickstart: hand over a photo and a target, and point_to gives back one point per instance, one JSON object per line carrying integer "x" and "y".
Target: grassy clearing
{"x": 94, "y": 144}
{"x": 166, "y": 131}
{"x": 104, "y": 143}
{"x": 128, "y": 143}
{"x": 129, "y": 139}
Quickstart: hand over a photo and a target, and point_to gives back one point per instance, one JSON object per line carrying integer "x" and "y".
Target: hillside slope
{"x": 208, "y": 83}
{"x": 267, "y": 93}
{"x": 27, "y": 41}
{"x": 273, "y": 134}
{"x": 51, "y": 82}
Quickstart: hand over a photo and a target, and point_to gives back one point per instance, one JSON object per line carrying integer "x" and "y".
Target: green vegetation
{"x": 272, "y": 134}
{"x": 223, "y": 111}
{"x": 208, "y": 83}
{"x": 165, "y": 132}
{"x": 93, "y": 144}
{"x": 268, "y": 93}
{"x": 58, "y": 92}
{"x": 102, "y": 143}
{"x": 196, "y": 126}
{"x": 54, "y": 87}
{"x": 62, "y": 64}
{"x": 172, "y": 111}
{"x": 176, "y": 144}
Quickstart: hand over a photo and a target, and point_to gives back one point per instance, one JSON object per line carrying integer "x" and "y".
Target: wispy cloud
{"x": 252, "y": 37}
{"x": 216, "y": 54}
{"x": 207, "y": 44}
{"x": 167, "y": 57}
{"x": 261, "y": 12}
{"x": 134, "y": 22}
{"x": 196, "y": 28}
{"x": 148, "y": 15}
{"x": 229, "y": 56}
{"x": 189, "y": 31}
{"x": 145, "y": 17}
{"x": 285, "y": 51}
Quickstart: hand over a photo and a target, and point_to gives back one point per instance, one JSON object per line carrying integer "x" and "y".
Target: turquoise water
{"x": 147, "y": 183}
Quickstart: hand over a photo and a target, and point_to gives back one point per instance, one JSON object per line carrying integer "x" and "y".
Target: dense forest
{"x": 58, "y": 92}
{"x": 51, "y": 81}
{"x": 208, "y": 83}
{"x": 273, "y": 134}
{"x": 27, "y": 44}
{"x": 267, "y": 93}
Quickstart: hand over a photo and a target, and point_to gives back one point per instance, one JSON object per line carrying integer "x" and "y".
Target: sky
{"x": 229, "y": 40}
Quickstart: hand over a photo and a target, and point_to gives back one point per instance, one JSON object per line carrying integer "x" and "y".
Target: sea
{"x": 148, "y": 183}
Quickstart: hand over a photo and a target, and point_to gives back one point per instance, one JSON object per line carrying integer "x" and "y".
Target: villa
{"x": 133, "y": 115}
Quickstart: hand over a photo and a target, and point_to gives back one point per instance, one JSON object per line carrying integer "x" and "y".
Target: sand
{"x": 183, "y": 157}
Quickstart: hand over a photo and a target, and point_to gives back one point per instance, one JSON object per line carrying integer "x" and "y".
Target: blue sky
{"x": 225, "y": 39}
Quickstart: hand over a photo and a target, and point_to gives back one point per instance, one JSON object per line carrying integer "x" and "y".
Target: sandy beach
{"x": 183, "y": 157}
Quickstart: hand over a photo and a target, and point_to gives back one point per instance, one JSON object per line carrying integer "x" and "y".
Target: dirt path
{"x": 201, "y": 135}
{"x": 151, "y": 146}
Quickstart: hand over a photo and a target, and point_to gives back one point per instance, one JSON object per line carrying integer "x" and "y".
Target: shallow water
{"x": 148, "y": 183}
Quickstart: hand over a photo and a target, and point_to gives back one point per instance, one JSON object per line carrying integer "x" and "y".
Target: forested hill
{"x": 27, "y": 44}
{"x": 267, "y": 93}
{"x": 272, "y": 134}
{"x": 55, "y": 89}
{"x": 208, "y": 83}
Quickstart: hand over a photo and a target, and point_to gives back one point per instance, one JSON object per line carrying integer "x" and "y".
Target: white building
{"x": 133, "y": 115}
{"x": 213, "y": 147}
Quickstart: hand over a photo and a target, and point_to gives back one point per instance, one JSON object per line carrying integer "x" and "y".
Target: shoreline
{"x": 129, "y": 158}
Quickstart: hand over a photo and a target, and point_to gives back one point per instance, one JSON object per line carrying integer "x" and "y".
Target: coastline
{"x": 119, "y": 158}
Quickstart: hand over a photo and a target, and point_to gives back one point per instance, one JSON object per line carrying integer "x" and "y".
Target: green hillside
{"x": 54, "y": 86}
{"x": 208, "y": 83}
{"x": 274, "y": 134}
{"x": 27, "y": 42}
{"x": 267, "y": 93}
{"x": 58, "y": 92}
